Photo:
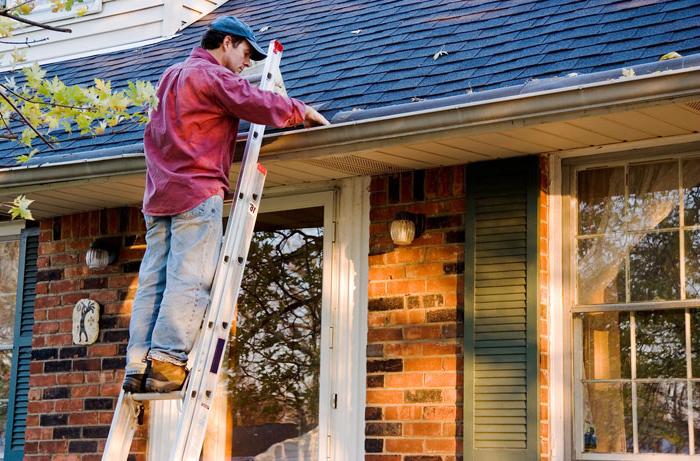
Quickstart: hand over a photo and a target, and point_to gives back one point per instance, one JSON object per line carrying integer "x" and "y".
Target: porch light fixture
{"x": 102, "y": 253}
{"x": 405, "y": 228}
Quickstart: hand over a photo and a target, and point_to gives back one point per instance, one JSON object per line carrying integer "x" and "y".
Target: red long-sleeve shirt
{"x": 190, "y": 138}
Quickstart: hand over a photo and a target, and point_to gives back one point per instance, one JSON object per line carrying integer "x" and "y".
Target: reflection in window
{"x": 606, "y": 345}
{"x": 662, "y": 412}
{"x": 274, "y": 359}
{"x": 607, "y": 418}
{"x": 660, "y": 344}
{"x": 9, "y": 265}
{"x": 655, "y": 267}
{"x": 638, "y": 249}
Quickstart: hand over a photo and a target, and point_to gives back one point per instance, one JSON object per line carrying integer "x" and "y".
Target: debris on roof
{"x": 440, "y": 52}
{"x": 670, "y": 55}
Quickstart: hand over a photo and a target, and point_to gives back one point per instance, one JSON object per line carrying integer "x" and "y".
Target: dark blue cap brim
{"x": 256, "y": 53}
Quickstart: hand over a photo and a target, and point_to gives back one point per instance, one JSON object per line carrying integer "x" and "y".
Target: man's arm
{"x": 240, "y": 99}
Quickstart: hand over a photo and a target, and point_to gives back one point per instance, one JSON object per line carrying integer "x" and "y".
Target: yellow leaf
{"x": 26, "y": 8}
{"x": 670, "y": 55}
{"x": 82, "y": 11}
{"x": 20, "y": 208}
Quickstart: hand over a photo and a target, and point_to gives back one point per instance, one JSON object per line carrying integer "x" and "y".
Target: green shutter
{"x": 21, "y": 353}
{"x": 500, "y": 311}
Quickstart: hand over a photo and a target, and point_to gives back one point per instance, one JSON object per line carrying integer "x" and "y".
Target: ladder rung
{"x": 177, "y": 395}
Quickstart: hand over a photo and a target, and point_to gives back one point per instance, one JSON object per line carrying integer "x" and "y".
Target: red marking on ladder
{"x": 262, "y": 169}
{"x": 278, "y": 47}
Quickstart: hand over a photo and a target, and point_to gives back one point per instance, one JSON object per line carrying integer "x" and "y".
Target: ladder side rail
{"x": 121, "y": 432}
{"x": 223, "y": 304}
{"x": 210, "y": 379}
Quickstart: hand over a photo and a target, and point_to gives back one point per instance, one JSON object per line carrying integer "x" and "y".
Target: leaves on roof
{"x": 440, "y": 52}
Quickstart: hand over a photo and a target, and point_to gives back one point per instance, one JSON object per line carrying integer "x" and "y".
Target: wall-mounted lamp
{"x": 103, "y": 252}
{"x": 406, "y": 227}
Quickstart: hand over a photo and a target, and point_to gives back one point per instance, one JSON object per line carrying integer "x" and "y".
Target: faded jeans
{"x": 175, "y": 280}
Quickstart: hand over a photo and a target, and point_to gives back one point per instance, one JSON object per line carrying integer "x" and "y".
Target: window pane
{"x": 653, "y": 196}
{"x": 655, "y": 267}
{"x": 662, "y": 417}
{"x": 5, "y": 366}
{"x": 9, "y": 264}
{"x": 601, "y": 200}
{"x": 606, "y": 345}
{"x": 692, "y": 264}
{"x": 601, "y": 269}
{"x": 3, "y": 424}
{"x": 274, "y": 358}
{"x": 661, "y": 344}
{"x": 607, "y": 418}
{"x": 691, "y": 191}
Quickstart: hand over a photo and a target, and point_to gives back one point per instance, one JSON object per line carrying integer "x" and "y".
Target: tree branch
{"x": 26, "y": 41}
{"x": 27, "y": 122}
{"x": 33, "y": 23}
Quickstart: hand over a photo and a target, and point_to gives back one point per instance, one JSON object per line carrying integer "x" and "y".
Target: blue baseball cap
{"x": 234, "y": 26}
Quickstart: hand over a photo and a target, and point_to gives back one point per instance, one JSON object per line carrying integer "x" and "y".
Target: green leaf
{"x": 34, "y": 74}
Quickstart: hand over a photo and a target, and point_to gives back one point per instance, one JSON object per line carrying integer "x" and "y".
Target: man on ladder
{"x": 189, "y": 144}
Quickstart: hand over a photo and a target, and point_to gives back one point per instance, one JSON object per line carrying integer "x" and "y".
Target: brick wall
{"x": 414, "y": 367}
{"x": 74, "y": 388}
{"x": 415, "y": 355}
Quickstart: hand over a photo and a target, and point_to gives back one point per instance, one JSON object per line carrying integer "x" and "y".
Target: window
{"x": 636, "y": 310}
{"x": 273, "y": 364}
{"x": 9, "y": 264}
{"x": 43, "y": 10}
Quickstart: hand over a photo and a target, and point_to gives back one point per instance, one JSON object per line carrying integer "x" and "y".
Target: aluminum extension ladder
{"x": 197, "y": 397}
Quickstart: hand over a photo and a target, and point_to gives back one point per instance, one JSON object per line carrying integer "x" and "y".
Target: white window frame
{"x": 566, "y": 386}
{"x": 9, "y": 231}
{"x": 42, "y": 11}
{"x": 344, "y": 319}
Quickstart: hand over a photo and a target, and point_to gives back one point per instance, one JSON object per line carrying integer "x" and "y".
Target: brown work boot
{"x": 136, "y": 382}
{"x": 165, "y": 377}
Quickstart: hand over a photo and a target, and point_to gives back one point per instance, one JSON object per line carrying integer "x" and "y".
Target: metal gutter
{"x": 533, "y": 103}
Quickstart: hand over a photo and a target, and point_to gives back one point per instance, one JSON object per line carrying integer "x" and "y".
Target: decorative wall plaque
{"x": 86, "y": 321}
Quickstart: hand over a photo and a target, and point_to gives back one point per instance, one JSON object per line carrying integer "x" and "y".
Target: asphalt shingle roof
{"x": 489, "y": 44}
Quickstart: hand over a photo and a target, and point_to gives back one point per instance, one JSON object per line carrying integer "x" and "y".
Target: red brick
{"x": 441, "y": 446}
{"x": 383, "y": 334}
{"x": 71, "y": 378}
{"x": 63, "y": 286}
{"x": 440, "y": 413}
{"x": 42, "y": 380}
{"x": 429, "y": 269}
{"x": 405, "y": 287}
{"x": 47, "y": 301}
{"x": 403, "y": 380}
{"x": 49, "y": 248}
{"x": 69, "y": 406}
{"x": 85, "y": 391}
{"x": 403, "y": 445}
{"x": 376, "y": 289}
{"x": 446, "y": 283}
{"x": 66, "y": 259}
{"x": 422, "y": 364}
{"x": 59, "y": 340}
{"x": 447, "y": 253}
{"x": 83, "y": 418}
{"x": 431, "y": 429}
{"x": 383, "y": 396}
{"x": 422, "y": 332}
{"x": 41, "y": 407}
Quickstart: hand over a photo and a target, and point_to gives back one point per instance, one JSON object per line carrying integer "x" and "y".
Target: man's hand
{"x": 313, "y": 118}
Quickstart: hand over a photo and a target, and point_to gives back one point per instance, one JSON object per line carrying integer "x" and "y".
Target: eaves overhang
{"x": 537, "y": 117}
